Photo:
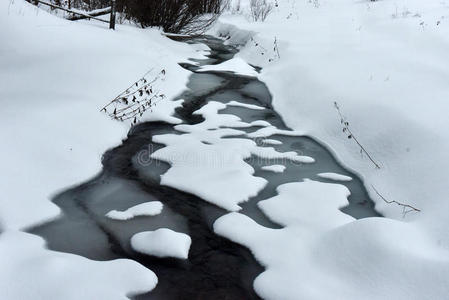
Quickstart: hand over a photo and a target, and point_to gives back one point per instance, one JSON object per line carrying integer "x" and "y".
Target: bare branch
{"x": 134, "y": 101}
{"x": 406, "y": 208}
{"x": 351, "y": 135}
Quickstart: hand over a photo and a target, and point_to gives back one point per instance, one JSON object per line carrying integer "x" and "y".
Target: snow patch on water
{"x": 206, "y": 164}
{"x": 274, "y": 168}
{"x": 272, "y": 130}
{"x": 334, "y": 176}
{"x": 241, "y": 104}
{"x": 271, "y": 142}
{"x": 236, "y": 65}
{"x": 162, "y": 242}
{"x": 260, "y": 123}
{"x": 145, "y": 209}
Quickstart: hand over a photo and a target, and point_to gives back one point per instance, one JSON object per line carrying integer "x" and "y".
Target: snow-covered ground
{"x": 323, "y": 253}
{"x": 385, "y": 63}
{"x": 55, "y": 76}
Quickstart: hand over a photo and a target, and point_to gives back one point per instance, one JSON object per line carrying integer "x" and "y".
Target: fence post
{"x": 112, "y": 20}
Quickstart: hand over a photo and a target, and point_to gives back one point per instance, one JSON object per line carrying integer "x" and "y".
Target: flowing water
{"x": 217, "y": 268}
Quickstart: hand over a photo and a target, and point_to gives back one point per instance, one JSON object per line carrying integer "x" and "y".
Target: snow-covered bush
{"x": 260, "y": 9}
{"x": 233, "y": 6}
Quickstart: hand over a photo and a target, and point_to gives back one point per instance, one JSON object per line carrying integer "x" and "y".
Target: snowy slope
{"x": 385, "y": 63}
{"x": 55, "y": 75}
{"x": 323, "y": 253}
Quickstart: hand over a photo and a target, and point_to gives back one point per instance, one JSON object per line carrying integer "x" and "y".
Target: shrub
{"x": 260, "y": 9}
{"x": 173, "y": 16}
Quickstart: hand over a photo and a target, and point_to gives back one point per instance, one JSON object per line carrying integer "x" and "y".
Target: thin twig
{"x": 127, "y": 89}
{"x": 276, "y": 47}
{"x": 143, "y": 98}
{"x": 406, "y": 208}
{"x": 346, "y": 129}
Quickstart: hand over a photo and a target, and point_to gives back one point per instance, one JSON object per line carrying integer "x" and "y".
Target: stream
{"x": 217, "y": 268}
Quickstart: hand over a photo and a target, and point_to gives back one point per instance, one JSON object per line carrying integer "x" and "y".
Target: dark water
{"x": 217, "y": 268}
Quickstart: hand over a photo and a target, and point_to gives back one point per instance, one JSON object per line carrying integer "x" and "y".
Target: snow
{"x": 162, "y": 242}
{"x": 385, "y": 63}
{"x": 274, "y": 168}
{"x": 322, "y": 253}
{"x": 163, "y": 112}
{"x": 271, "y": 153}
{"x": 271, "y": 142}
{"x": 241, "y": 104}
{"x": 334, "y": 176}
{"x": 209, "y": 170}
{"x": 235, "y": 65}
{"x": 206, "y": 164}
{"x": 151, "y": 208}
{"x": 30, "y": 271}
{"x": 260, "y": 123}
{"x": 55, "y": 76}
{"x": 213, "y": 120}
{"x": 271, "y": 130}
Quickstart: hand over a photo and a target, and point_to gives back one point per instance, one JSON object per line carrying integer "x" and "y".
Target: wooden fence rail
{"x": 81, "y": 15}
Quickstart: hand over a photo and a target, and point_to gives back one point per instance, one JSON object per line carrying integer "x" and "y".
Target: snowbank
{"x": 151, "y": 208}
{"x": 162, "y": 243}
{"x": 385, "y": 62}
{"x": 322, "y": 253}
{"x": 55, "y": 76}
{"x": 30, "y": 271}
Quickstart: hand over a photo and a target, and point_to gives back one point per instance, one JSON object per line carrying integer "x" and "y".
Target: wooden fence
{"x": 77, "y": 15}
